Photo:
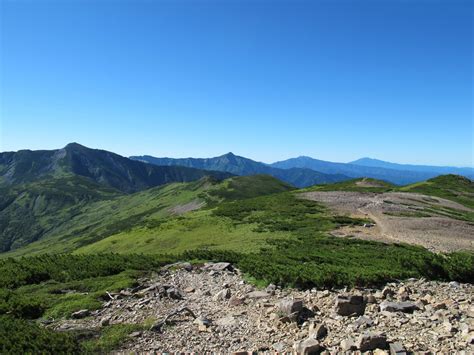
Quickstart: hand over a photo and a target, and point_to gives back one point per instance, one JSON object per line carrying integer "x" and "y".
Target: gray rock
{"x": 218, "y": 266}
{"x": 174, "y": 293}
{"x": 397, "y": 349}
{"x": 317, "y": 331}
{"x": 348, "y": 345}
{"x": 236, "y": 301}
{"x": 80, "y": 314}
{"x": 387, "y": 292}
{"x": 222, "y": 295}
{"x": 405, "y": 307}
{"x": 371, "y": 341}
{"x": 370, "y": 299}
{"x": 363, "y": 322}
{"x": 290, "y": 306}
{"x": 257, "y": 294}
{"x": 307, "y": 346}
{"x": 350, "y": 305}
{"x": 454, "y": 284}
{"x": 271, "y": 289}
{"x": 179, "y": 265}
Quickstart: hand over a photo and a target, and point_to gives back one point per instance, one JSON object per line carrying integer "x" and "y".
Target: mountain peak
{"x": 74, "y": 145}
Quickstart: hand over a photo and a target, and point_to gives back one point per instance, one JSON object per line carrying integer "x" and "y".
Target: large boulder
{"x": 405, "y": 307}
{"x": 289, "y": 306}
{"x": 371, "y": 341}
{"x": 350, "y": 305}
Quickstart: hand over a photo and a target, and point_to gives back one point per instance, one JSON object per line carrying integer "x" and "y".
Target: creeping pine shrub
{"x": 18, "y": 336}
{"x": 21, "y": 306}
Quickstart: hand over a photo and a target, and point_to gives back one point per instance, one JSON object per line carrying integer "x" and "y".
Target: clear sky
{"x": 335, "y": 80}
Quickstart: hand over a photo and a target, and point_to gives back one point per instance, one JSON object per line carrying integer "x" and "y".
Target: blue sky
{"x": 336, "y": 80}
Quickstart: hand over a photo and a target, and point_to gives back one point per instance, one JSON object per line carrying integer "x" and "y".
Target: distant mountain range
{"x": 106, "y": 168}
{"x": 305, "y": 171}
{"x": 234, "y": 164}
{"x": 75, "y": 196}
{"x": 395, "y": 173}
{"x": 409, "y": 167}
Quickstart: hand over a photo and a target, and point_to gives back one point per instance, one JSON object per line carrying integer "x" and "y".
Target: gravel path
{"x": 401, "y": 217}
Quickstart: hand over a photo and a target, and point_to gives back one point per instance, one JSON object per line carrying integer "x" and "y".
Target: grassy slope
{"x": 29, "y": 211}
{"x": 450, "y": 187}
{"x": 140, "y": 221}
{"x": 200, "y": 228}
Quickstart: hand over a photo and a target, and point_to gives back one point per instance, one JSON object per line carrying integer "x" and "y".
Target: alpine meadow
{"x": 341, "y": 220}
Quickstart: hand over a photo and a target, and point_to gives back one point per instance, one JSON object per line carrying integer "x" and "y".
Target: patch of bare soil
{"x": 402, "y": 218}
{"x": 187, "y": 207}
{"x": 368, "y": 183}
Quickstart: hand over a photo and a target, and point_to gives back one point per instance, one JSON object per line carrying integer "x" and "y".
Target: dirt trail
{"x": 403, "y": 217}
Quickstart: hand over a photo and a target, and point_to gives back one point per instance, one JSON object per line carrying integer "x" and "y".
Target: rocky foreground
{"x": 212, "y": 309}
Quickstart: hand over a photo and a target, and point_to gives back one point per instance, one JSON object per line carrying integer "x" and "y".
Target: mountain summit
{"x": 101, "y": 166}
{"x": 234, "y": 164}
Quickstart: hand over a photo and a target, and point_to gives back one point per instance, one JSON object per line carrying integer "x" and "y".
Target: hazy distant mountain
{"x": 299, "y": 177}
{"x": 101, "y": 166}
{"x": 396, "y": 176}
{"x": 469, "y": 172}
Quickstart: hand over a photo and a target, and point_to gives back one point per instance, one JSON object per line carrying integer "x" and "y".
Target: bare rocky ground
{"x": 402, "y": 217}
{"x": 212, "y": 309}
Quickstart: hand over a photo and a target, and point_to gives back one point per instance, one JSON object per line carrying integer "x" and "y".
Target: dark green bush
{"x": 18, "y": 336}
{"x": 67, "y": 267}
{"x": 21, "y": 306}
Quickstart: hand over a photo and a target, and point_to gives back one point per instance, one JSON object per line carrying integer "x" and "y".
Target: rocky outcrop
{"x": 219, "y": 312}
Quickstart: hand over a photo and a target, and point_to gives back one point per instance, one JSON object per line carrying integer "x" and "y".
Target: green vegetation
{"x": 29, "y": 211}
{"x": 140, "y": 218}
{"x": 100, "y": 166}
{"x": 55, "y": 286}
{"x": 451, "y": 187}
{"x": 111, "y": 337}
{"x": 18, "y": 336}
{"x": 249, "y": 186}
